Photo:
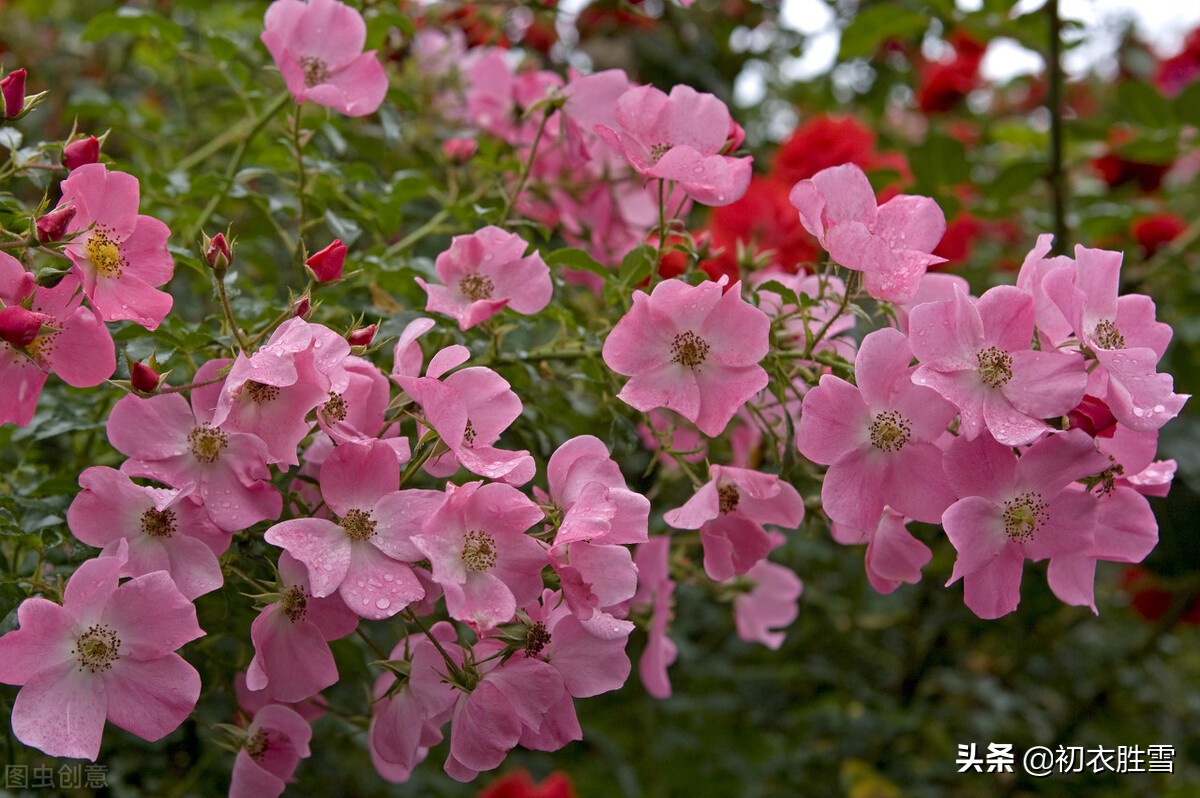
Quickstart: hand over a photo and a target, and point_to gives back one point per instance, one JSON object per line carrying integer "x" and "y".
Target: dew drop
{"x": 389, "y": 577}
{"x": 382, "y": 603}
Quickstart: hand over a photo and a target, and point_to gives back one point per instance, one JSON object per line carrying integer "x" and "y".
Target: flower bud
{"x": 217, "y": 252}
{"x": 459, "y": 150}
{"x": 53, "y": 225}
{"x": 326, "y": 265}
{"x": 302, "y": 307}
{"x": 12, "y": 87}
{"x": 81, "y": 152}
{"x": 362, "y": 337}
{"x": 143, "y": 378}
{"x": 19, "y": 326}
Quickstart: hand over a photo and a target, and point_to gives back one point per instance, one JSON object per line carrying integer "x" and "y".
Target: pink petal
{"x": 995, "y": 590}
{"x": 357, "y": 477}
{"x": 318, "y": 543}
{"x": 43, "y": 641}
{"x": 1072, "y": 578}
{"x": 975, "y": 527}
{"x": 152, "y": 698}
{"x": 376, "y": 586}
{"x": 1008, "y": 316}
{"x": 911, "y": 222}
{"x": 852, "y": 493}
{"x": 834, "y": 420}
{"x": 915, "y": 484}
{"x": 291, "y": 661}
{"x": 151, "y": 616}
{"x": 981, "y": 467}
{"x": 82, "y": 354}
{"x": 61, "y": 711}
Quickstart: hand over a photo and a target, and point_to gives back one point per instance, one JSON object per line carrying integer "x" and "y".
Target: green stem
{"x": 1057, "y": 175}
{"x": 228, "y": 311}
{"x": 416, "y": 235}
{"x": 526, "y": 167}
{"x": 300, "y": 189}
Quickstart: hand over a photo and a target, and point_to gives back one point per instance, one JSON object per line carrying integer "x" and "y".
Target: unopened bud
{"x": 12, "y": 88}
{"x": 19, "y": 326}
{"x": 302, "y": 307}
{"x": 143, "y": 378}
{"x": 362, "y": 337}
{"x": 459, "y": 150}
{"x": 81, "y": 152}
{"x": 53, "y": 225}
{"x": 217, "y": 252}
{"x": 326, "y": 265}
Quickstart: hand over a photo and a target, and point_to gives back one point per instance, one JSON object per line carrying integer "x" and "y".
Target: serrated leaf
{"x": 573, "y": 258}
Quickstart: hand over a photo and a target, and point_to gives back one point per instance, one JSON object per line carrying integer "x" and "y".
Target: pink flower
{"x": 479, "y": 553}
{"x": 106, "y": 653}
{"x": 889, "y": 243}
{"x": 484, "y": 272}
{"x": 69, "y": 340}
{"x": 730, "y": 512}
{"x": 977, "y": 355}
{"x": 877, "y": 438}
{"x": 656, "y": 588}
{"x": 691, "y": 349}
{"x": 1123, "y": 335}
{"x": 165, "y": 440}
{"x": 586, "y": 484}
{"x": 53, "y": 225}
{"x": 327, "y": 264}
{"x": 12, "y": 91}
{"x": 276, "y": 741}
{"x": 365, "y": 554}
{"x": 1011, "y": 509}
{"x": 679, "y": 137}
{"x": 292, "y": 660}
{"x": 163, "y": 530}
{"x": 120, "y": 255}
{"x": 894, "y": 556}
{"x": 318, "y": 48}
{"x": 766, "y": 603}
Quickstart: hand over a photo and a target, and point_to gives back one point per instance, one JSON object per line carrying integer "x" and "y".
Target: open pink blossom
{"x": 271, "y": 393}
{"x": 364, "y": 555}
{"x": 318, "y": 47}
{"x": 120, "y": 255}
{"x": 70, "y": 340}
{"x": 251, "y": 701}
{"x": 276, "y": 740}
{"x": 166, "y": 441}
{"x": 163, "y": 530}
{"x": 479, "y": 552}
{"x": 656, "y": 590}
{"x": 893, "y": 557}
{"x": 877, "y": 438}
{"x": 292, "y": 660}
{"x": 730, "y": 511}
{"x": 691, "y": 349}
{"x": 977, "y": 355}
{"x": 1123, "y": 335}
{"x": 766, "y": 601}
{"x": 484, "y": 272}
{"x": 679, "y": 137}
{"x": 106, "y": 654}
{"x": 889, "y": 243}
{"x": 1011, "y": 509}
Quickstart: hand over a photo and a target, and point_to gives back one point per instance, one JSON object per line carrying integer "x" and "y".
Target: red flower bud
{"x": 302, "y": 308}
{"x": 217, "y": 253}
{"x": 326, "y": 265}
{"x": 53, "y": 225}
{"x": 459, "y": 150}
{"x": 362, "y": 337}
{"x": 81, "y": 152}
{"x": 12, "y": 87}
{"x": 19, "y": 326}
{"x": 144, "y": 378}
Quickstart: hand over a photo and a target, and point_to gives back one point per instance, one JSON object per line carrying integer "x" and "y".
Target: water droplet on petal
{"x": 382, "y": 603}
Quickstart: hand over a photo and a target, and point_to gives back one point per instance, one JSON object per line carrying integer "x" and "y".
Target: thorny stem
{"x": 229, "y": 317}
{"x": 526, "y": 167}
{"x": 454, "y": 669}
{"x": 300, "y": 188}
{"x": 662, "y": 231}
{"x": 191, "y": 385}
{"x": 851, "y": 290}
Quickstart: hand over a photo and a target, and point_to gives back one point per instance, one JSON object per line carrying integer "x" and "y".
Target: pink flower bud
{"x": 326, "y": 265}
{"x": 53, "y": 225}
{"x": 302, "y": 308}
{"x": 19, "y": 326}
{"x": 144, "y": 378}
{"x": 81, "y": 152}
{"x": 217, "y": 252}
{"x": 362, "y": 337}
{"x": 12, "y": 86}
{"x": 459, "y": 150}
{"x": 734, "y": 138}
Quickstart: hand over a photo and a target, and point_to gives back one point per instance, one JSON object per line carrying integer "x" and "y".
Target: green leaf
{"x": 877, "y": 24}
{"x": 939, "y": 164}
{"x": 573, "y": 258}
{"x": 138, "y": 22}
{"x": 635, "y": 267}
{"x": 1144, "y": 104}
{"x": 1187, "y": 105}
{"x": 1015, "y": 179}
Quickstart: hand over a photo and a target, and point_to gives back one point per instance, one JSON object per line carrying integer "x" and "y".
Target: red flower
{"x": 1152, "y": 232}
{"x": 519, "y": 784}
{"x": 943, "y": 84}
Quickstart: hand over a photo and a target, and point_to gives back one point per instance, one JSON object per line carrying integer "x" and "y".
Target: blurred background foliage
{"x": 870, "y": 695}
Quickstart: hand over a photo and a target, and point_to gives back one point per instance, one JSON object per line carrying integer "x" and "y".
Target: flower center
{"x": 479, "y": 551}
{"x": 316, "y": 71}
{"x": 657, "y": 151}
{"x": 469, "y": 434}
{"x": 476, "y": 286}
{"x": 207, "y": 443}
{"x": 1108, "y": 336}
{"x": 295, "y": 603}
{"x": 689, "y": 349}
{"x": 260, "y": 393}
{"x": 358, "y": 524}
{"x": 256, "y": 745}
{"x": 334, "y": 410}
{"x": 995, "y": 366}
{"x": 1023, "y": 516}
{"x": 103, "y": 251}
{"x": 728, "y": 498}
{"x": 890, "y": 431}
{"x": 97, "y": 648}
{"x": 536, "y": 639}
{"x": 41, "y": 347}
{"x": 158, "y": 523}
